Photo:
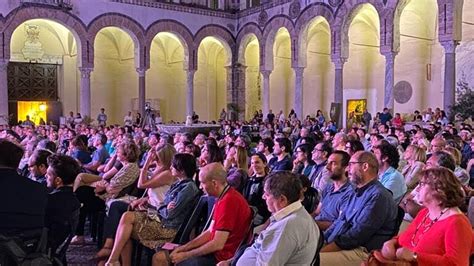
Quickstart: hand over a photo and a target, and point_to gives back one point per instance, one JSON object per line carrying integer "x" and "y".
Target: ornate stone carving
{"x": 32, "y": 50}
{"x": 295, "y": 9}
{"x": 262, "y": 18}
{"x": 335, "y": 3}
{"x": 231, "y": 27}
{"x": 402, "y": 92}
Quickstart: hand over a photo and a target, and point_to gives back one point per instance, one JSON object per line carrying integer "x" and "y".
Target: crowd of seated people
{"x": 381, "y": 190}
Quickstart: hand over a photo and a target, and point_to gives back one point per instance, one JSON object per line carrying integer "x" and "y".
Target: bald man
{"x": 230, "y": 221}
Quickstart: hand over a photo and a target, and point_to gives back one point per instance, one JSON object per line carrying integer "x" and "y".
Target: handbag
{"x": 377, "y": 259}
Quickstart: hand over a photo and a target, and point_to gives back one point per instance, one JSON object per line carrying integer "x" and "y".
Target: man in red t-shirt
{"x": 230, "y": 222}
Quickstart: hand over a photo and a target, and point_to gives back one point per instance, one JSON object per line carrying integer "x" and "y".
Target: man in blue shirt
{"x": 388, "y": 159}
{"x": 335, "y": 195}
{"x": 369, "y": 219}
{"x": 385, "y": 116}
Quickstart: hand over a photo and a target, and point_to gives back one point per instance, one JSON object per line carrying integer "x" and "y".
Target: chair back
{"x": 399, "y": 220}
{"x": 25, "y": 248}
{"x": 71, "y": 224}
{"x": 184, "y": 232}
{"x": 316, "y": 260}
{"x": 311, "y": 199}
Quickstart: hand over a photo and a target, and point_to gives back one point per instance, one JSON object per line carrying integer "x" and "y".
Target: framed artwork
{"x": 354, "y": 110}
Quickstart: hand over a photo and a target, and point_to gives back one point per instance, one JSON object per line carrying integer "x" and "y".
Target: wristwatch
{"x": 415, "y": 256}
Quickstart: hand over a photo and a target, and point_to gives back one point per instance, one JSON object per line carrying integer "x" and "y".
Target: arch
{"x": 129, "y": 25}
{"x": 179, "y": 30}
{"x": 306, "y": 19}
{"x": 243, "y": 38}
{"x": 218, "y": 32}
{"x": 342, "y": 20}
{"x": 272, "y": 27}
{"x": 22, "y": 14}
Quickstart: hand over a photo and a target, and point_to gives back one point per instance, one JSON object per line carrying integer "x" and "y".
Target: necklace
{"x": 425, "y": 226}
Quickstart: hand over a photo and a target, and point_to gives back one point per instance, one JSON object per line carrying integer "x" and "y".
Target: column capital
{"x": 86, "y": 72}
{"x": 141, "y": 71}
{"x": 266, "y": 73}
{"x": 449, "y": 46}
{"x": 390, "y": 56}
{"x": 338, "y": 62}
{"x": 299, "y": 71}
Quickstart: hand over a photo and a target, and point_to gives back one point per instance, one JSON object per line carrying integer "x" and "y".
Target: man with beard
{"x": 369, "y": 218}
{"x": 335, "y": 195}
{"x": 282, "y": 149}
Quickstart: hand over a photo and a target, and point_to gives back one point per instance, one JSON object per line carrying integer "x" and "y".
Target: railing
{"x": 230, "y": 6}
{"x": 66, "y": 4}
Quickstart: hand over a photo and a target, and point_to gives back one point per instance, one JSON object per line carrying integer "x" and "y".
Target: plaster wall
{"x": 365, "y": 67}
{"x": 319, "y": 74}
{"x": 210, "y": 80}
{"x": 166, "y": 79}
{"x": 465, "y": 51}
{"x": 253, "y": 93}
{"x": 282, "y": 78}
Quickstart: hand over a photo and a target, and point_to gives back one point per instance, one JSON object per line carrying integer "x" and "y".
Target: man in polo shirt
{"x": 284, "y": 242}
{"x": 336, "y": 194}
{"x": 369, "y": 218}
{"x": 282, "y": 162}
{"x": 230, "y": 222}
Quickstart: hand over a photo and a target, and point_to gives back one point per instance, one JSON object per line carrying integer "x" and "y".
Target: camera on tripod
{"x": 148, "y": 107}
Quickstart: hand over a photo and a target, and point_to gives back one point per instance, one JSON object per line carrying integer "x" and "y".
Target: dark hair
{"x": 40, "y": 157}
{"x": 261, "y": 156}
{"x": 11, "y": 154}
{"x": 103, "y": 138}
{"x": 268, "y": 142}
{"x": 345, "y": 157}
{"x": 154, "y": 134}
{"x": 215, "y": 154}
{"x": 306, "y": 149}
{"x": 326, "y": 147}
{"x": 47, "y": 145}
{"x": 390, "y": 152}
{"x": 284, "y": 142}
{"x": 284, "y": 183}
{"x": 184, "y": 162}
{"x": 445, "y": 160}
{"x": 64, "y": 167}
{"x": 194, "y": 149}
{"x": 356, "y": 145}
{"x": 130, "y": 150}
{"x": 446, "y": 186}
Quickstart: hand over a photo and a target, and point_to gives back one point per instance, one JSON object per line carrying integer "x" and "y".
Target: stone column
{"x": 388, "y": 101}
{"x": 449, "y": 74}
{"x": 236, "y": 91}
{"x": 339, "y": 87}
{"x": 3, "y": 91}
{"x": 190, "y": 92}
{"x": 85, "y": 101}
{"x": 298, "y": 101}
{"x": 266, "y": 92}
{"x": 141, "y": 89}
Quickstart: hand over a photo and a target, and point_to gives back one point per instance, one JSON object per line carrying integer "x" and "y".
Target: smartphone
{"x": 169, "y": 246}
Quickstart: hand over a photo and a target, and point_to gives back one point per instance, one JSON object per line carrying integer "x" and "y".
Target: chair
{"x": 184, "y": 233}
{"x": 60, "y": 255}
{"x": 316, "y": 260}
{"x": 311, "y": 199}
{"x": 28, "y": 247}
{"x": 249, "y": 237}
{"x": 399, "y": 220}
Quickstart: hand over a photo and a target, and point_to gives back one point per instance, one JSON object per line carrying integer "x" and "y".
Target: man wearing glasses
{"x": 319, "y": 175}
{"x": 369, "y": 219}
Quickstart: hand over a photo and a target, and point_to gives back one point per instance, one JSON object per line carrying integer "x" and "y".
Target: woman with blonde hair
{"x": 156, "y": 183}
{"x": 440, "y": 234}
{"x": 415, "y": 158}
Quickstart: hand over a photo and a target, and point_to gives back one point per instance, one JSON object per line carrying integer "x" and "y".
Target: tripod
{"x": 149, "y": 120}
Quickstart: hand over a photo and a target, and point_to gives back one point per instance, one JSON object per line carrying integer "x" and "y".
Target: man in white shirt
{"x": 284, "y": 242}
{"x": 128, "y": 120}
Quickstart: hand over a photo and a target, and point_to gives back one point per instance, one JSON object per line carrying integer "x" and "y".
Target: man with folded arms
{"x": 369, "y": 219}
